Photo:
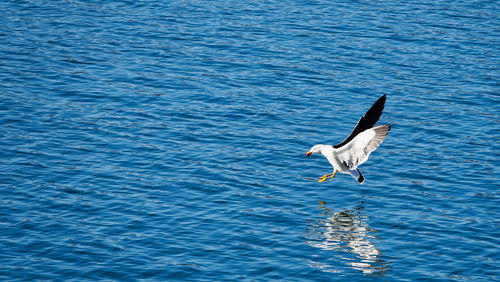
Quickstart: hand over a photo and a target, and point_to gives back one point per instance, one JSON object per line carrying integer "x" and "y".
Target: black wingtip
{"x": 373, "y": 115}
{"x": 368, "y": 120}
{"x": 379, "y": 103}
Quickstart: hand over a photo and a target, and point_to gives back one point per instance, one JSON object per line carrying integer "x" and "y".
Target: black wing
{"x": 367, "y": 121}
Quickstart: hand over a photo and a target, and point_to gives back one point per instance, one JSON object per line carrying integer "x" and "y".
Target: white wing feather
{"x": 357, "y": 151}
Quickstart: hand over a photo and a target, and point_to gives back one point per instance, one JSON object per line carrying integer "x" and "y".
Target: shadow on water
{"x": 345, "y": 239}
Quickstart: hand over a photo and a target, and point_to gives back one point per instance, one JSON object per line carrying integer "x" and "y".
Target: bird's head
{"x": 314, "y": 150}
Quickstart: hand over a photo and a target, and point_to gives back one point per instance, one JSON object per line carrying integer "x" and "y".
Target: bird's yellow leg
{"x": 329, "y": 175}
{"x": 326, "y": 176}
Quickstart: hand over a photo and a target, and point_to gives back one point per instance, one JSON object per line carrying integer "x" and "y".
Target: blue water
{"x": 166, "y": 140}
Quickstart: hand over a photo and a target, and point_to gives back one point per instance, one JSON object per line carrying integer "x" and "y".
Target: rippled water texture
{"x": 166, "y": 140}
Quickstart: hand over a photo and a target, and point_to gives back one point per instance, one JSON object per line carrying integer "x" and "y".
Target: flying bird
{"x": 357, "y": 147}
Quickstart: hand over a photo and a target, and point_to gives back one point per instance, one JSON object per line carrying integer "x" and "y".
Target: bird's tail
{"x": 356, "y": 174}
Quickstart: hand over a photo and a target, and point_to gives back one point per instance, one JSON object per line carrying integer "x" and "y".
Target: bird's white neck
{"x": 325, "y": 150}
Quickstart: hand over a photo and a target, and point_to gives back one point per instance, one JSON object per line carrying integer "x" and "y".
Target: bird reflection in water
{"x": 347, "y": 235}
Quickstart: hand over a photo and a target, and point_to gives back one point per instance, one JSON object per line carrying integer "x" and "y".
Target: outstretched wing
{"x": 359, "y": 149}
{"x": 367, "y": 121}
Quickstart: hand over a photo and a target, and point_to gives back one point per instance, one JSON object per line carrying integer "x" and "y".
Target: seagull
{"x": 345, "y": 157}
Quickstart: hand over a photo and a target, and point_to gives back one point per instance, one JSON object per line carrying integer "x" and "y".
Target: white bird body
{"x": 355, "y": 150}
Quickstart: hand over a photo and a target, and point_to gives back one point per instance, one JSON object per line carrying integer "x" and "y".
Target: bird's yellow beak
{"x": 308, "y": 154}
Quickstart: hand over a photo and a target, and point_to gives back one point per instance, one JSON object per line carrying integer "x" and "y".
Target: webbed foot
{"x": 326, "y": 177}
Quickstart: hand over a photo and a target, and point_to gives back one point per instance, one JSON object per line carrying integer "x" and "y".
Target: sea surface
{"x": 166, "y": 140}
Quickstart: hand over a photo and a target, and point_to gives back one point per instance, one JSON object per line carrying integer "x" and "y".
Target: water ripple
{"x": 166, "y": 141}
